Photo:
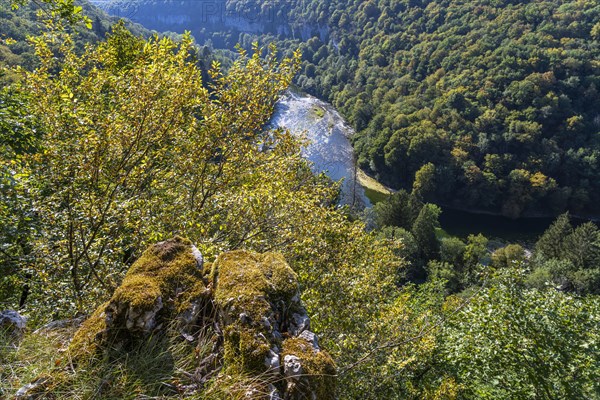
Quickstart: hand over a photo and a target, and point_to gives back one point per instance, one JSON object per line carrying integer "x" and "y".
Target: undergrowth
{"x": 161, "y": 367}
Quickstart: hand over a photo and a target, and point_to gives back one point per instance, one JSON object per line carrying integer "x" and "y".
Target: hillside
{"x": 113, "y": 151}
{"x": 17, "y": 25}
{"x": 495, "y": 101}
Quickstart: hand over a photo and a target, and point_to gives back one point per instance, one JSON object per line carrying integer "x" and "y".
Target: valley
{"x": 303, "y": 199}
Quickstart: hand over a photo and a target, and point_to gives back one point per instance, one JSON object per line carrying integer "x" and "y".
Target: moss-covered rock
{"x": 254, "y": 293}
{"x": 309, "y": 372}
{"x": 165, "y": 285}
{"x": 259, "y": 302}
{"x": 242, "y": 307}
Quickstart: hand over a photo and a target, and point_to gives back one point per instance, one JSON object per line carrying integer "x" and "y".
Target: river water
{"x": 329, "y": 149}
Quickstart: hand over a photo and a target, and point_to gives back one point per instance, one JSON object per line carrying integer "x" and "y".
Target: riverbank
{"x": 374, "y": 189}
{"x": 330, "y": 151}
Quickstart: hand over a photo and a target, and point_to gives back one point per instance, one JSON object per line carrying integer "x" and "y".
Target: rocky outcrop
{"x": 12, "y": 323}
{"x": 249, "y": 302}
{"x": 164, "y": 286}
{"x": 266, "y": 328}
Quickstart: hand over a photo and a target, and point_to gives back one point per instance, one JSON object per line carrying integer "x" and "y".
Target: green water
{"x": 462, "y": 223}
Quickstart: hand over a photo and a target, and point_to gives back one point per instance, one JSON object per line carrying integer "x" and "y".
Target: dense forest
{"x": 113, "y": 140}
{"x": 495, "y": 102}
{"x": 17, "y": 25}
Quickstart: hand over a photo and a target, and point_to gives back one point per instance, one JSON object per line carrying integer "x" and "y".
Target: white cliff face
{"x": 209, "y": 16}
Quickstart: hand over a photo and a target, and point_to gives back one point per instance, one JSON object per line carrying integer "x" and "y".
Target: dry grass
{"x": 160, "y": 368}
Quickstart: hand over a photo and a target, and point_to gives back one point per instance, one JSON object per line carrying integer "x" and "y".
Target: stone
{"x": 244, "y": 318}
{"x": 274, "y": 393}
{"x": 165, "y": 284}
{"x": 310, "y": 338}
{"x": 198, "y": 257}
{"x": 297, "y": 386}
{"x": 248, "y": 304}
{"x": 310, "y": 373}
{"x": 272, "y": 360}
{"x": 12, "y": 322}
{"x": 259, "y": 304}
{"x": 292, "y": 366}
{"x": 299, "y": 323}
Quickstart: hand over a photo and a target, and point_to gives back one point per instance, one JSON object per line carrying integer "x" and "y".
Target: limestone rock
{"x": 250, "y": 304}
{"x": 165, "y": 284}
{"x": 259, "y": 304}
{"x": 299, "y": 323}
{"x": 292, "y": 367}
{"x": 12, "y": 322}
{"x": 310, "y": 338}
{"x": 309, "y": 372}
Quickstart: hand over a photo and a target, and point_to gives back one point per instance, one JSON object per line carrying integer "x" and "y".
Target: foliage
{"x": 424, "y": 231}
{"x": 505, "y": 256}
{"x": 495, "y": 99}
{"x": 18, "y": 138}
{"x": 61, "y": 10}
{"x": 135, "y": 149}
{"x": 16, "y": 25}
{"x": 519, "y": 343}
{"x": 569, "y": 257}
{"x": 130, "y": 141}
{"x": 399, "y": 209}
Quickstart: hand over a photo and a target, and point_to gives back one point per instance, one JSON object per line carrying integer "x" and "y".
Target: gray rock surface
{"x": 12, "y": 322}
{"x": 299, "y": 323}
{"x": 310, "y": 338}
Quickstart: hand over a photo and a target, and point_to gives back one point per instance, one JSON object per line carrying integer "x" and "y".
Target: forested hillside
{"x": 17, "y": 25}
{"x": 495, "y": 103}
{"x": 159, "y": 240}
{"x": 501, "y": 100}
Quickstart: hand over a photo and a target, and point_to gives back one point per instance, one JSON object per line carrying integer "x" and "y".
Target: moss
{"x": 244, "y": 350}
{"x": 283, "y": 281}
{"x": 317, "y": 365}
{"x": 166, "y": 271}
{"x": 249, "y": 287}
{"x": 247, "y": 282}
{"x": 170, "y": 264}
{"x": 240, "y": 284}
{"x": 85, "y": 344}
{"x": 198, "y": 291}
{"x": 207, "y": 272}
{"x": 139, "y": 292}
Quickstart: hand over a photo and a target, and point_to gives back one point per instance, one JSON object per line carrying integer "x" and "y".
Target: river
{"x": 330, "y": 151}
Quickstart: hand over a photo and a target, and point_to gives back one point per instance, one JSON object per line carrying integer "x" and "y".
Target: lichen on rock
{"x": 165, "y": 284}
{"x": 248, "y": 302}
